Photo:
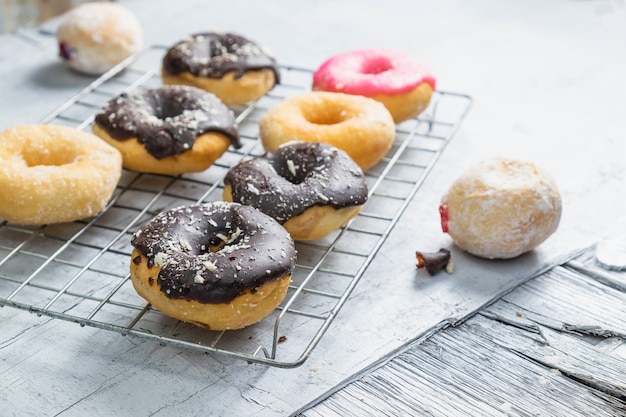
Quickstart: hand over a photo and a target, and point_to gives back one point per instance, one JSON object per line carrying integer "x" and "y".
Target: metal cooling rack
{"x": 79, "y": 271}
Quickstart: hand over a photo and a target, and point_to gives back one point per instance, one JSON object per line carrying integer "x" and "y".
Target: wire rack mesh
{"x": 79, "y": 271}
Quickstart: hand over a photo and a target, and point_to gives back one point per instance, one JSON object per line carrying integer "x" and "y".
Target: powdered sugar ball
{"x": 94, "y": 37}
{"x": 501, "y": 208}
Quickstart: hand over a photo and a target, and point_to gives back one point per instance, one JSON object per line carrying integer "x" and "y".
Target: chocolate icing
{"x": 433, "y": 261}
{"x": 213, "y": 54}
{"x": 295, "y": 177}
{"x": 255, "y": 250}
{"x": 168, "y": 119}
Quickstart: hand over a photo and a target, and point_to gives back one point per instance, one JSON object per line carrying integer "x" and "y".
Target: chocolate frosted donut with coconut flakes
{"x": 219, "y": 265}
{"x": 310, "y": 188}
{"x": 170, "y": 130}
{"x": 232, "y": 67}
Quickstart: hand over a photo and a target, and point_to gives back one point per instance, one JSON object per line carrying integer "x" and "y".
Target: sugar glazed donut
{"x": 217, "y": 265}
{"x": 395, "y": 79}
{"x": 167, "y": 130}
{"x": 360, "y": 126}
{"x": 309, "y": 188}
{"x": 94, "y": 37}
{"x": 501, "y": 208}
{"x": 234, "y": 68}
{"x": 55, "y": 174}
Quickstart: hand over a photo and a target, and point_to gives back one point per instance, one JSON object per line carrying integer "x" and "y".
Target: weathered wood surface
{"x": 544, "y": 83}
{"x": 553, "y": 347}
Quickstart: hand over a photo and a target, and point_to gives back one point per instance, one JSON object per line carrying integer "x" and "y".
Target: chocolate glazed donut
{"x": 219, "y": 265}
{"x": 168, "y": 130}
{"x": 308, "y": 182}
{"x": 234, "y": 68}
{"x": 166, "y": 120}
{"x": 213, "y": 54}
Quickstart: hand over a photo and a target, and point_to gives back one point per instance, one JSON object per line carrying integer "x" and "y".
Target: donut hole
{"x": 36, "y": 156}
{"x": 325, "y": 115}
{"x": 227, "y": 46}
{"x": 298, "y": 169}
{"x": 376, "y": 66}
{"x": 165, "y": 109}
{"x": 297, "y": 179}
{"x": 204, "y": 48}
{"x": 217, "y": 245}
{"x": 224, "y": 238}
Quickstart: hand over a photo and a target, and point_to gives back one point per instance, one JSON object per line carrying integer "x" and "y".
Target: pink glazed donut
{"x": 403, "y": 85}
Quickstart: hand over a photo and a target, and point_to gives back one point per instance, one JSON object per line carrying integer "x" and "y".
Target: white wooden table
{"x": 547, "y": 85}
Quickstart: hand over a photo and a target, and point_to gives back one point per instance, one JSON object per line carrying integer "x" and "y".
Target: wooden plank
{"x": 565, "y": 300}
{"x": 535, "y": 352}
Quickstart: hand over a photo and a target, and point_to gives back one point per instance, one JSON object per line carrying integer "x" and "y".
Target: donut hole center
{"x": 224, "y": 238}
{"x": 217, "y": 246}
{"x": 168, "y": 109}
{"x": 297, "y": 168}
{"x": 34, "y": 156}
{"x": 376, "y": 66}
{"x": 327, "y": 115}
{"x": 292, "y": 172}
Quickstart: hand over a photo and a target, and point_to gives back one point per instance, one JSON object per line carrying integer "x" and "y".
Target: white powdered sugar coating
{"x": 501, "y": 208}
{"x": 97, "y": 36}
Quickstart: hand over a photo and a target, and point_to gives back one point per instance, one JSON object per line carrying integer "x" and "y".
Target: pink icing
{"x": 371, "y": 71}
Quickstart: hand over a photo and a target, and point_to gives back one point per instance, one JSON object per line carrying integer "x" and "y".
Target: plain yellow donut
{"x": 54, "y": 174}
{"x": 360, "y": 126}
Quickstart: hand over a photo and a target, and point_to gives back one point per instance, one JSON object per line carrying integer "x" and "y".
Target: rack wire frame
{"x": 79, "y": 271}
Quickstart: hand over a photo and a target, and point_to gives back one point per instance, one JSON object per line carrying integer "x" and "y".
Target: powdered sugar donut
{"x": 501, "y": 208}
{"x": 94, "y": 37}
{"x": 395, "y": 79}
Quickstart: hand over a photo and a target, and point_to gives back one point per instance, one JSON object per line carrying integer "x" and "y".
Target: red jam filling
{"x": 443, "y": 212}
{"x": 65, "y": 51}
